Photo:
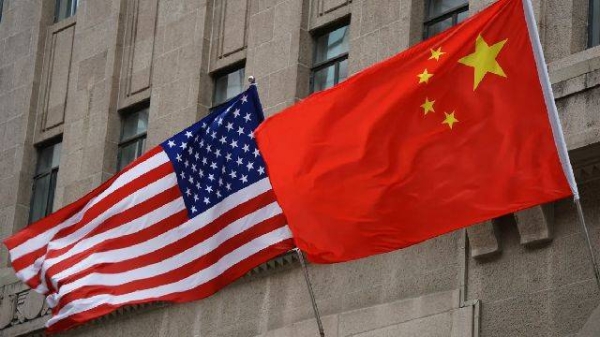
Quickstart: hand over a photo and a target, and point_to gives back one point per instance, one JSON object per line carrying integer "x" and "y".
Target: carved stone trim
{"x": 322, "y": 13}
{"x": 223, "y": 18}
{"x": 33, "y": 305}
{"x": 21, "y": 310}
{"x": 325, "y": 6}
{"x": 287, "y": 259}
{"x": 131, "y": 43}
{"x": 48, "y": 74}
{"x": 586, "y": 163}
{"x": 8, "y": 306}
{"x": 588, "y": 173}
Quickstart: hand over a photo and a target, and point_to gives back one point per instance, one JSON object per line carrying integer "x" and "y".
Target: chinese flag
{"x": 457, "y": 130}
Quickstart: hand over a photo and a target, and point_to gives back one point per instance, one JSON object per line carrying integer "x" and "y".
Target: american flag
{"x": 185, "y": 219}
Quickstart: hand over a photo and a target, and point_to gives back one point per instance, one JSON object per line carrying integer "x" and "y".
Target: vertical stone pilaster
{"x": 89, "y": 139}
{"x": 22, "y": 38}
{"x": 180, "y": 85}
{"x": 274, "y": 51}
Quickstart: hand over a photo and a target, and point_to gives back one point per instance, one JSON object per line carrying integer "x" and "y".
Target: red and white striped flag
{"x": 182, "y": 221}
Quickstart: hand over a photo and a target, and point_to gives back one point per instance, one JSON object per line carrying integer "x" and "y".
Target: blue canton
{"x": 218, "y": 156}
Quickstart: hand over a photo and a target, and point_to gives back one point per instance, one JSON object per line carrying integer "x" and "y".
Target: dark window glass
{"x": 443, "y": 14}
{"x": 1, "y": 7}
{"x": 133, "y": 137}
{"x": 331, "y": 59}
{"x": 65, "y": 9}
{"x": 594, "y": 24}
{"x": 228, "y": 85}
{"x": 44, "y": 182}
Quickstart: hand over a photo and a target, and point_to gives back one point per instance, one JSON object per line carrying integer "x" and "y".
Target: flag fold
{"x": 179, "y": 223}
{"x": 449, "y": 133}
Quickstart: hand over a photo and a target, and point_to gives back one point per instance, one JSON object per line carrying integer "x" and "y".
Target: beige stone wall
{"x": 90, "y": 123}
{"x": 521, "y": 275}
{"x": 22, "y": 30}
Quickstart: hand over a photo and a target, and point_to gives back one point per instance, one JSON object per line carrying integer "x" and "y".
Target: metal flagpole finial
{"x": 252, "y": 80}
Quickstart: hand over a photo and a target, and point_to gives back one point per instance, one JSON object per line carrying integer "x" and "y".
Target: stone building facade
{"x": 86, "y": 86}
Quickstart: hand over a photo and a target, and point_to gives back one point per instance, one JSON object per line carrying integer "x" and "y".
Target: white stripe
{"x": 559, "y": 138}
{"x": 145, "y": 221}
{"x": 42, "y": 239}
{"x": 173, "y": 235}
{"x": 133, "y": 173}
{"x": 30, "y": 271}
{"x": 130, "y": 201}
{"x": 41, "y": 289}
{"x": 175, "y": 261}
{"x": 186, "y": 284}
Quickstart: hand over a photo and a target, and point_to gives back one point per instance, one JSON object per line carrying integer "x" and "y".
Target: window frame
{"x": 139, "y": 138}
{"x": 593, "y": 23}
{"x": 72, "y": 9}
{"x": 53, "y": 173}
{"x": 222, "y": 73}
{"x": 334, "y": 61}
{"x": 450, "y": 13}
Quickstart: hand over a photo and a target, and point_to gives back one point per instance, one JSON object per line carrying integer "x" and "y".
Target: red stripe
{"x": 199, "y": 292}
{"x": 66, "y": 212}
{"x": 150, "y": 153}
{"x": 94, "y": 211}
{"x": 56, "y": 219}
{"x": 53, "y": 219}
{"x": 182, "y": 272}
{"x": 27, "y": 259}
{"x": 115, "y": 197}
{"x": 146, "y": 234}
{"x": 33, "y": 282}
{"x": 122, "y": 218}
{"x": 176, "y": 247}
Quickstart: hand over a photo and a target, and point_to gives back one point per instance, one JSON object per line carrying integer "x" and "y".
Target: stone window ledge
{"x": 575, "y": 65}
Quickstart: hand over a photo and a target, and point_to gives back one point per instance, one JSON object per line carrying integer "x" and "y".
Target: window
{"x": 1, "y": 7}
{"x": 228, "y": 85}
{"x": 65, "y": 9}
{"x": 331, "y": 59}
{"x": 44, "y": 182}
{"x": 594, "y": 24}
{"x": 133, "y": 136}
{"x": 443, "y": 14}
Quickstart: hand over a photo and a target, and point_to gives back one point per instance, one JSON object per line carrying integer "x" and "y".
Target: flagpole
{"x": 586, "y": 234}
{"x": 310, "y": 291}
{"x": 557, "y": 131}
{"x": 252, "y": 81}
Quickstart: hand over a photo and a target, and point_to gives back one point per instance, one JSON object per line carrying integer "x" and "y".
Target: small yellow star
{"x": 450, "y": 119}
{"x": 436, "y": 54}
{"x": 424, "y": 77}
{"x": 428, "y": 106}
{"x": 483, "y": 60}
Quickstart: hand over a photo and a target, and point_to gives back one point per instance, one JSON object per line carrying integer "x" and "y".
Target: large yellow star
{"x": 436, "y": 54}
{"x": 428, "y": 106}
{"x": 450, "y": 119}
{"x": 483, "y": 60}
{"x": 424, "y": 77}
